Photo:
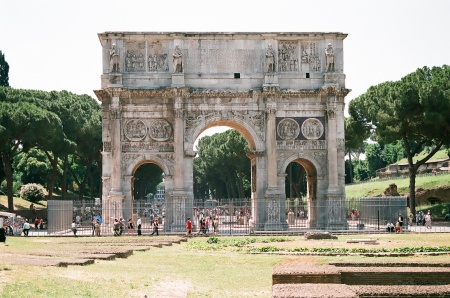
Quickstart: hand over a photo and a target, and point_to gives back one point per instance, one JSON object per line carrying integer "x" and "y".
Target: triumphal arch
{"x": 284, "y": 92}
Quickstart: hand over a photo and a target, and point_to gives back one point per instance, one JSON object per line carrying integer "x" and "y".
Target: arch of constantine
{"x": 284, "y": 92}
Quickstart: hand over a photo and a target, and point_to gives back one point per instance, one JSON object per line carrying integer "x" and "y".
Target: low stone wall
{"x": 357, "y": 280}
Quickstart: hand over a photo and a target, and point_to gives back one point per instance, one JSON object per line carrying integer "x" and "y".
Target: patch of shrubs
{"x": 33, "y": 192}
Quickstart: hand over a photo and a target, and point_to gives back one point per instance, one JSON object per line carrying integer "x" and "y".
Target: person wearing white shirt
{"x": 139, "y": 225}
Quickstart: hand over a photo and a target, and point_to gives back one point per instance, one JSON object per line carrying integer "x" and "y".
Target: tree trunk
{"x": 351, "y": 167}
{"x": 64, "y": 179}
{"x": 412, "y": 190}
{"x": 9, "y": 181}
{"x": 51, "y": 183}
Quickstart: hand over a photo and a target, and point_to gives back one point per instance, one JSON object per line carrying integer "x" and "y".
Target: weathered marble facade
{"x": 284, "y": 92}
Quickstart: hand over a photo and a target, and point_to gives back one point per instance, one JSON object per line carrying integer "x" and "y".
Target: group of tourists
{"x": 397, "y": 228}
{"x": 423, "y": 219}
{"x": 204, "y": 224}
{"x": 38, "y": 223}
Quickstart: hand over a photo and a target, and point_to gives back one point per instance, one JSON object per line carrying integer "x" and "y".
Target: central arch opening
{"x": 222, "y": 179}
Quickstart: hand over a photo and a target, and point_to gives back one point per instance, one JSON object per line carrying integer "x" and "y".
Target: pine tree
{"x": 4, "y": 71}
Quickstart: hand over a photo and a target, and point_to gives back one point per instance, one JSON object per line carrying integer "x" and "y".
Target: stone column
{"x": 332, "y": 150}
{"x": 178, "y": 198}
{"x": 178, "y": 143}
{"x": 128, "y": 197}
{"x": 271, "y": 144}
{"x": 115, "y": 194}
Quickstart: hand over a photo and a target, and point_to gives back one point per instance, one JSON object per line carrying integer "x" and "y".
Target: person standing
{"x": 2, "y": 234}
{"x": 97, "y": 228}
{"x": 36, "y": 223}
{"x": 94, "y": 221}
{"x": 188, "y": 227}
{"x": 155, "y": 227}
{"x": 116, "y": 227}
{"x": 215, "y": 225}
{"x": 26, "y": 228}
{"x": 251, "y": 225}
{"x": 122, "y": 225}
{"x": 130, "y": 226}
{"x": 428, "y": 220}
{"x": 139, "y": 226}
{"x": 74, "y": 228}
{"x": 400, "y": 222}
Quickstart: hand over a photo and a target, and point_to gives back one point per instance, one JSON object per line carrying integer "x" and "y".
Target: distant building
{"x": 402, "y": 169}
{"x": 159, "y": 196}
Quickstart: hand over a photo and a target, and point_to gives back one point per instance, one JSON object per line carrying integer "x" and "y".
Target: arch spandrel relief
{"x": 317, "y": 161}
{"x": 253, "y": 121}
{"x": 132, "y": 161}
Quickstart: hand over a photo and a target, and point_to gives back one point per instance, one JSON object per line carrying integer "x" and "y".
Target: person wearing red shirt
{"x": 189, "y": 227}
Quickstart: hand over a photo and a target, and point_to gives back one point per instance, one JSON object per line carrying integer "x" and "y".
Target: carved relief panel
{"x": 312, "y": 129}
{"x": 157, "y": 58}
{"x": 288, "y": 129}
{"x": 288, "y": 56}
{"x": 160, "y": 130}
{"x": 135, "y": 130}
{"x": 300, "y": 128}
{"x": 310, "y": 57}
{"x": 135, "y": 56}
{"x": 154, "y": 135}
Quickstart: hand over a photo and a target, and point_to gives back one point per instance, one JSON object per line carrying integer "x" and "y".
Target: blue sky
{"x": 53, "y": 44}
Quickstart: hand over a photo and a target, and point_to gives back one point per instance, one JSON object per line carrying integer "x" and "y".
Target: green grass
{"x": 441, "y": 154}
{"x": 376, "y": 188}
{"x": 186, "y": 268}
{"x": 20, "y": 204}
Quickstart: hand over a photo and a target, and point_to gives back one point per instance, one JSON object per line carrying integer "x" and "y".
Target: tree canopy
{"x": 414, "y": 110}
{"x": 4, "y": 71}
{"x": 56, "y": 123}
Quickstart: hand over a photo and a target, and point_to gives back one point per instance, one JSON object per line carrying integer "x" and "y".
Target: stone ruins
{"x": 284, "y": 92}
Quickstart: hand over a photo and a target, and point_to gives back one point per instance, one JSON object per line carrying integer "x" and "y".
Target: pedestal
{"x": 177, "y": 80}
{"x": 276, "y": 218}
{"x": 115, "y": 80}
{"x": 331, "y": 79}
{"x": 271, "y": 80}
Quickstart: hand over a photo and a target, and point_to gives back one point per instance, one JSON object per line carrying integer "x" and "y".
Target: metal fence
{"x": 230, "y": 217}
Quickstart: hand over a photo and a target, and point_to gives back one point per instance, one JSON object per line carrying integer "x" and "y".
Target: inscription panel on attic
{"x": 224, "y": 56}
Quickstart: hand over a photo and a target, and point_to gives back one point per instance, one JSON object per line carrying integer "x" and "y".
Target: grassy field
{"x": 190, "y": 269}
{"x": 376, "y": 188}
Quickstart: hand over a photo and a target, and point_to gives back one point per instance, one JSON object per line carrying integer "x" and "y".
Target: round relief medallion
{"x": 135, "y": 130}
{"x": 160, "y": 130}
{"x": 288, "y": 129}
{"x": 312, "y": 129}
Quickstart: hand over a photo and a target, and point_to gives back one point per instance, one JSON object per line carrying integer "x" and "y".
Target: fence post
{"x": 378, "y": 218}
